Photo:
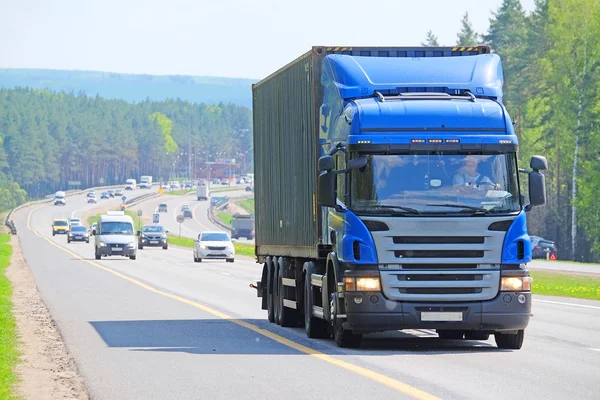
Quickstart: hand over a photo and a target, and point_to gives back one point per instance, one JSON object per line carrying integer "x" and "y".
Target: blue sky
{"x": 229, "y": 38}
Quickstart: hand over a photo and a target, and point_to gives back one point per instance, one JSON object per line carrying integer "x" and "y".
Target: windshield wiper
{"x": 463, "y": 207}
{"x": 407, "y": 209}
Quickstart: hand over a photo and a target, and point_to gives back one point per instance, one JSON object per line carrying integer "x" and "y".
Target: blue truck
{"x": 388, "y": 196}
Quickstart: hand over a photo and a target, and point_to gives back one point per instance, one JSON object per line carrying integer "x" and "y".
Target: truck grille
{"x": 438, "y": 239}
{"x": 439, "y": 253}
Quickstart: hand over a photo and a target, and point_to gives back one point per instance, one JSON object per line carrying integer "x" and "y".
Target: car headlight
{"x": 131, "y": 245}
{"x": 70, "y": 234}
{"x": 362, "y": 284}
{"x": 102, "y": 244}
{"x": 515, "y": 283}
{"x": 203, "y": 247}
{"x": 164, "y": 236}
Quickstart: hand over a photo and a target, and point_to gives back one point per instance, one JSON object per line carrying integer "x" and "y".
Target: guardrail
{"x": 10, "y": 224}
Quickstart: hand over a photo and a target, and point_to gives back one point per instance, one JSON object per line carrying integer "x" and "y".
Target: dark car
{"x": 104, "y": 195}
{"x": 153, "y": 236}
{"x": 162, "y": 207}
{"x": 540, "y": 247}
{"x": 187, "y": 213}
{"x": 111, "y": 193}
{"x": 78, "y": 233}
{"x": 249, "y": 189}
{"x": 118, "y": 192}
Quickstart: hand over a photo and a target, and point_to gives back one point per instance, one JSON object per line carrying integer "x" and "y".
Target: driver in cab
{"x": 467, "y": 177}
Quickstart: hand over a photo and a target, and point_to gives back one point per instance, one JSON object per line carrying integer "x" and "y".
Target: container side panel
{"x": 285, "y": 151}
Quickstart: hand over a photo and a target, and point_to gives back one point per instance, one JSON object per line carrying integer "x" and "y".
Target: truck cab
{"x": 242, "y": 226}
{"x": 130, "y": 184}
{"x": 60, "y": 198}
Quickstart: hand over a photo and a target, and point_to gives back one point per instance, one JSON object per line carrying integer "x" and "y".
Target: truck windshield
{"x": 439, "y": 182}
{"x": 116, "y": 228}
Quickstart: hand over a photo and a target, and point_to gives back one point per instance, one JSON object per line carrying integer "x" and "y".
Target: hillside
{"x": 133, "y": 88}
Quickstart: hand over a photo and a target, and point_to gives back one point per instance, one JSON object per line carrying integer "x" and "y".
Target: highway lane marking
{"x": 367, "y": 373}
{"x": 567, "y": 304}
{"x": 73, "y": 213}
{"x": 196, "y": 219}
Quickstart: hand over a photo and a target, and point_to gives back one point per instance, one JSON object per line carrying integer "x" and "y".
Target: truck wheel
{"x": 342, "y": 337}
{"x": 132, "y": 257}
{"x": 450, "y": 335}
{"x": 477, "y": 335}
{"x": 314, "y": 327}
{"x": 276, "y": 302}
{"x": 270, "y": 295}
{"x": 287, "y": 316}
{"x": 510, "y": 341}
{"x": 140, "y": 247}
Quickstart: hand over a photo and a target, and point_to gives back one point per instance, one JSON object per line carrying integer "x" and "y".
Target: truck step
{"x": 288, "y": 282}
{"x": 289, "y": 303}
{"x": 317, "y": 312}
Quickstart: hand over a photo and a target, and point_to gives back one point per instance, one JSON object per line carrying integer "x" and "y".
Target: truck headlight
{"x": 102, "y": 244}
{"x": 131, "y": 245}
{"x": 362, "y": 284}
{"x": 515, "y": 283}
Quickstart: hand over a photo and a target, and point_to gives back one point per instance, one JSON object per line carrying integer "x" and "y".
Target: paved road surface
{"x": 164, "y": 327}
{"x": 190, "y": 228}
{"x": 565, "y": 266}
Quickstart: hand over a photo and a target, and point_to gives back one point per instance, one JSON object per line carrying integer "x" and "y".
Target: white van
{"x": 60, "y": 198}
{"x": 115, "y": 236}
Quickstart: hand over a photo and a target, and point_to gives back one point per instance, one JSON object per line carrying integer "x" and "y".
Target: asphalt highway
{"x": 164, "y": 327}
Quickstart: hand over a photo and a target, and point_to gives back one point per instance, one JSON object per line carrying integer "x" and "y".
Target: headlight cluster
{"x": 131, "y": 245}
{"x": 102, "y": 244}
{"x": 371, "y": 284}
{"x": 515, "y": 283}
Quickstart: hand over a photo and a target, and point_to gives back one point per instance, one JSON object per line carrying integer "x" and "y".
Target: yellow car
{"x": 60, "y": 226}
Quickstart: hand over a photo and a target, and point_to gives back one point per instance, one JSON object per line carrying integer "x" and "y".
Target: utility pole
{"x": 189, "y": 154}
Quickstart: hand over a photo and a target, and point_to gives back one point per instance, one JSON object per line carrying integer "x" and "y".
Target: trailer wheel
{"x": 510, "y": 341}
{"x": 270, "y": 294}
{"x": 314, "y": 327}
{"x": 276, "y": 291}
{"x": 342, "y": 337}
{"x": 287, "y": 316}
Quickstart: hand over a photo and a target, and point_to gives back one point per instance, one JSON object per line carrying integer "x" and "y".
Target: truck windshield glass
{"x": 116, "y": 228}
{"x": 437, "y": 182}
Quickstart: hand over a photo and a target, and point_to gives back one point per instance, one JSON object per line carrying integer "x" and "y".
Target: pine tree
{"x": 431, "y": 40}
{"x": 467, "y": 36}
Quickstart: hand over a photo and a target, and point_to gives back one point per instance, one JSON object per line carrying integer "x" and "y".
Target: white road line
{"x": 225, "y": 273}
{"x": 567, "y": 304}
{"x": 73, "y": 213}
{"x": 598, "y": 350}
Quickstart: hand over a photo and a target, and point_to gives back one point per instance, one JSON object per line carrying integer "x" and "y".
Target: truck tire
{"x": 341, "y": 336}
{"x": 287, "y": 316}
{"x": 477, "y": 335}
{"x": 510, "y": 341}
{"x": 313, "y": 326}
{"x": 132, "y": 257}
{"x": 276, "y": 302}
{"x": 270, "y": 293}
{"x": 450, "y": 335}
{"x": 140, "y": 247}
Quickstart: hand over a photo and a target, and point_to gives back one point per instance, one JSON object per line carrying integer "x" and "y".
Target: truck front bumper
{"x": 114, "y": 251}
{"x": 375, "y": 313}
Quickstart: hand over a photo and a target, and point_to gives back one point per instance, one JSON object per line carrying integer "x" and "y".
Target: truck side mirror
{"x": 326, "y": 163}
{"x": 537, "y": 189}
{"x": 138, "y": 233}
{"x": 93, "y": 232}
{"x": 538, "y": 163}
{"x": 327, "y": 196}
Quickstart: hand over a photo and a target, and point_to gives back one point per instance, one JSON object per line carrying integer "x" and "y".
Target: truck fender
{"x": 330, "y": 280}
{"x": 268, "y": 275}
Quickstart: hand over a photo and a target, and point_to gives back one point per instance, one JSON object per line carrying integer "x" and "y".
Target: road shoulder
{"x": 47, "y": 370}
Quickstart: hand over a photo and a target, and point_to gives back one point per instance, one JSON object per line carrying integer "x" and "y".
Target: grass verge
{"x": 242, "y": 249}
{"x": 557, "y": 284}
{"x": 247, "y": 204}
{"x": 179, "y": 192}
{"x": 224, "y": 217}
{"x": 9, "y": 355}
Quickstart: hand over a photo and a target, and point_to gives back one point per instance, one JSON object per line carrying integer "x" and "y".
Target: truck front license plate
{"x": 442, "y": 316}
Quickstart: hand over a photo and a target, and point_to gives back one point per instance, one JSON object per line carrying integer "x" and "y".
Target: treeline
{"x": 551, "y": 60}
{"x": 48, "y": 140}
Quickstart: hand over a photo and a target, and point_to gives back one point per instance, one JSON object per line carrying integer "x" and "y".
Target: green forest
{"x": 551, "y": 60}
{"x": 50, "y": 139}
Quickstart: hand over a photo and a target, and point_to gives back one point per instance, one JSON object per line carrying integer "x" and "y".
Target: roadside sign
{"x": 180, "y": 218}
{"x": 139, "y": 213}
{"x": 123, "y": 207}
{"x": 155, "y": 218}
{"x": 123, "y": 198}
